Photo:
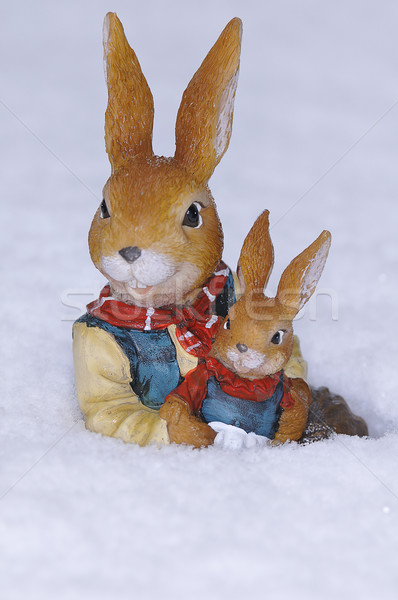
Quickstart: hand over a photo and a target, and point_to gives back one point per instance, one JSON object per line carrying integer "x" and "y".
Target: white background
{"x": 315, "y": 141}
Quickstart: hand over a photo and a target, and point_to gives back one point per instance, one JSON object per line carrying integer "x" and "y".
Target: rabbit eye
{"x": 192, "y": 216}
{"x": 227, "y": 324}
{"x": 104, "y": 210}
{"x": 277, "y": 337}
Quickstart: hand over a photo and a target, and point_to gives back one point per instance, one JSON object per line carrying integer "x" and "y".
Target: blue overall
{"x": 260, "y": 417}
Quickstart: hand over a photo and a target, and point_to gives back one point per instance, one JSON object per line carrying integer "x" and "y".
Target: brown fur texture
{"x": 147, "y": 197}
{"x": 129, "y": 115}
{"x": 299, "y": 279}
{"x": 293, "y": 420}
{"x": 183, "y": 426}
{"x": 256, "y": 258}
{"x": 215, "y": 84}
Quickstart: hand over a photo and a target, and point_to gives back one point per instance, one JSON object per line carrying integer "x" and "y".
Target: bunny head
{"x": 256, "y": 338}
{"x": 156, "y": 235}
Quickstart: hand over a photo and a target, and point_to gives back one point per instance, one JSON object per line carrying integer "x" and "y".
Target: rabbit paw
{"x": 183, "y": 426}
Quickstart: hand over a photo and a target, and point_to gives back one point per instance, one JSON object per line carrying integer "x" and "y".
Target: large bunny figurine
{"x": 242, "y": 387}
{"x": 158, "y": 240}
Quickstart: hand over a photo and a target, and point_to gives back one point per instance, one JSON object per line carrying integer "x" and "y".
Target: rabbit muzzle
{"x": 252, "y": 363}
{"x": 138, "y": 268}
{"x": 245, "y": 359}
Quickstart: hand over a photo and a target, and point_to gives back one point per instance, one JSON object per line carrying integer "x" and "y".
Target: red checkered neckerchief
{"x": 256, "y": 390}
{"x": 193, "y": 389}
{"x": 196, "y": 326}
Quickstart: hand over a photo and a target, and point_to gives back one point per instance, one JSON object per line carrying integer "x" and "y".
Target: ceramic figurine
{"x": 243, "y": 388}
{"x": 242, "y": 382}
{"x": 157, "y": 238}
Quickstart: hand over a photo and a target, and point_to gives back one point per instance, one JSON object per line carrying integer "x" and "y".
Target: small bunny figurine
{"x": 158, "y": 240}
{"x": 242, "y": 382}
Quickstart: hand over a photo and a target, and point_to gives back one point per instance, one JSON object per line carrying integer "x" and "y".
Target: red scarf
{"x": 196, "y": 326}
{"x": 194, "y": 387}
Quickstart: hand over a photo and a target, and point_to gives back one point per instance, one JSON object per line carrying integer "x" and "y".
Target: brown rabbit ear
{"x": 204, "y": 120}
{"x": 257, "y": 256}
{"x": 129, "y": 115}
{"x": 300, "y": 278}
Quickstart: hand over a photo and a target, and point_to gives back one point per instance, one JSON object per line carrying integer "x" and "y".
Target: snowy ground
{"x": 315, "y": 140}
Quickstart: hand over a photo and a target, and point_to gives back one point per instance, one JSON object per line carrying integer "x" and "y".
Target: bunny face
{"x": 256, "y": 338}
{"x": 157, "y": 236}
{"x": 145, "y": 236}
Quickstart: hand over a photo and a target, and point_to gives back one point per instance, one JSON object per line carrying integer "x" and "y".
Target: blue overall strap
{"x": 153, "y": 360}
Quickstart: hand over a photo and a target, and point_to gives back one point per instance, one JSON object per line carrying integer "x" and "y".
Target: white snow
{"x": 315, "y": 141}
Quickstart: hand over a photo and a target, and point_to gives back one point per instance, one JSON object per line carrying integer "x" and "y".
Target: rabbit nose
{"x": 130, "y": 253}
{"x": 242, "y": 347}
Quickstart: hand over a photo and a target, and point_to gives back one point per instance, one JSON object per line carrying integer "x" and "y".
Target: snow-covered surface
{"x": 315, "y": 140}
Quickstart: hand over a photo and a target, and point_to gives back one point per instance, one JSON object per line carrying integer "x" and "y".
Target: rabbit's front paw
{"x": 183, "y": 426}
